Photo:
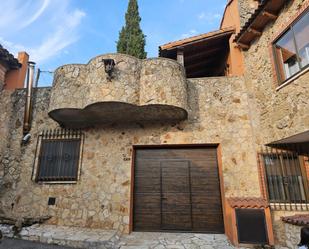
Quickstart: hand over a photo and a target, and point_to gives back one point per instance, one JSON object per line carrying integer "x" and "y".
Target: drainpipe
{"x": 28, "y": 106}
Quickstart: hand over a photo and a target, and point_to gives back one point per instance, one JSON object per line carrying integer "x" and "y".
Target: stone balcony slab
{"x": 151, "y": 90}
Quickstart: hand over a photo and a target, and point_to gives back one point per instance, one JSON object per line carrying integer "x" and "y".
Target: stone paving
{"x": 102, "y": 239}
{"x": 22, "y": 244}
{"x": 66, "y": 236}
{"x": 174, "y": 241}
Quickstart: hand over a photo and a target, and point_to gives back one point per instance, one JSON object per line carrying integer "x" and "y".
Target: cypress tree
{"x": 131, "y": 38}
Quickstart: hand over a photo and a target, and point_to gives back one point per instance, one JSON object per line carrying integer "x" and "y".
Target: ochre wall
{"x": 16, "y": 78}
{"x": 231, "y": 18}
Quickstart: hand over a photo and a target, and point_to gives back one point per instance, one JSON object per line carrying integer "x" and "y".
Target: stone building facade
{"x": 151, "y": 104}
{"x": 211, "y": 113}
{"x": 279, "y": 112}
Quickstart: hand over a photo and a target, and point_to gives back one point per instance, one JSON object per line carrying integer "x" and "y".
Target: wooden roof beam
{"x": 269, "y": 15}
{"x": 208, "y": 46}
{"x": 224, "y": 33}
{"x": 243, "y": 45}
{"x": 201, "y": 54}
{"x": 180, "y": 55}
{"x": 211, "y": 61}
{"x": 255, "y": 31}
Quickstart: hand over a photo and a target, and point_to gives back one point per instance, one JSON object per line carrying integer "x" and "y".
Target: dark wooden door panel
{"x": 180, "y": 222}
{"x": 194, "y": 153}
{"x": 148, "y": 222}
{"x": 207, "y": 226}
{"x": 175, "y": 193}
{"x": 147, "y": 211}
{"x": 147, "y": 202}
{"x": 147, "y": 184}
{"x": 177, "y": 189}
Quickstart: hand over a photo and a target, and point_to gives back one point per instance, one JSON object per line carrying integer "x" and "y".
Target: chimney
{"x": 16, "y": 77}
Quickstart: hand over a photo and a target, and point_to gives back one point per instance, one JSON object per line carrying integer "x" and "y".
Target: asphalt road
{"x": 23, "y": 244}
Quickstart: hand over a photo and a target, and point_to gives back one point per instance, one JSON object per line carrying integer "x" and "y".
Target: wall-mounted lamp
{"x": 109, "y": 65}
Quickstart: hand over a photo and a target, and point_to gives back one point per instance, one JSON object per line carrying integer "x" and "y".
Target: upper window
{"x": 292, "y": 49}
{"x": 59, "y": 156}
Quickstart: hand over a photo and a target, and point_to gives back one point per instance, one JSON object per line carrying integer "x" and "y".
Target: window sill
{"x": 278, "y": 206}
{"x": 56, "y": 182}
{"x": 290, "y": 80}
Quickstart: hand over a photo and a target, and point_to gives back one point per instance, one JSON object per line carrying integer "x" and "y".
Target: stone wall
{"x": 292, "y": 235}
{"x": 246, "y": 8}
{"x": 135, "y": 81}
{"x": 152, "y": 90}
{"x": 2, "y": 76}
{"x": 280, "y": 113}
{"x": 285, "y": 234}
{"x": 5, "y": 113}
{"x": 275, "y": 114}
{"x": 218, "y": 113}
{"x": 13, "y": 156}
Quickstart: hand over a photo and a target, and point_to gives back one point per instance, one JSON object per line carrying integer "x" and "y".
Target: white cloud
{"x": 209, "y": 17}
{"x": 191, "y": 32}
{"x": 53, "y": 24}
{"x": 60, "y": 39}
{"x": 36, "y": 15}
{"x": 19, "y": 14}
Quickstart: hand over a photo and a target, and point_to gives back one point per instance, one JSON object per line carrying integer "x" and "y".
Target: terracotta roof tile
{"x": 298, "y": 220}
{"x": 262, "y": 5}
{"x": 258, "y": 10}
{"x": 241, "y": 202}
{"x": 185, "y": 41}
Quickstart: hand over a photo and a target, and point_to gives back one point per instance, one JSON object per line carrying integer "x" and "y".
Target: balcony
{"x": 129, "y": 90}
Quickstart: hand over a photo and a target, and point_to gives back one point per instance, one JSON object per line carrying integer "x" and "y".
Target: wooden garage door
{"x": 177, "y": 189}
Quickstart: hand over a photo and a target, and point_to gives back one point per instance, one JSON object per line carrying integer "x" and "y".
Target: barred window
{"x": 59, "y": 156}
{"x": 285, "y": 177}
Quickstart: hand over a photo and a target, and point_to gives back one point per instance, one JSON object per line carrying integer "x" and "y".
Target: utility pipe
{"x": 28, "y": 106}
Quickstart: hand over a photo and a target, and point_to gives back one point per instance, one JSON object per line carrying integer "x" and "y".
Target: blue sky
{"x": 57, "y": 32}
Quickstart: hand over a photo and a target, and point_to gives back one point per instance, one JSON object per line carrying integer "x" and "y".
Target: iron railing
{"x": 58, "y": 156}
{"x": 285, "y": 177}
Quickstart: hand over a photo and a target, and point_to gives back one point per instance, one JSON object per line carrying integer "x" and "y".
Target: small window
{"x": 285, "y": 180}
{"x": 292, "y": 49}
{"x": 59, "y": 156}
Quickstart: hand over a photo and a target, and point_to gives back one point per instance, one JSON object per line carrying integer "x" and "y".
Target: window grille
{"x": 58, "y": 156}
{"x": 285, "y": 178}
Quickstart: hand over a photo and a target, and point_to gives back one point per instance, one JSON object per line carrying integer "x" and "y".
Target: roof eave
{"x": 190, "y": 40}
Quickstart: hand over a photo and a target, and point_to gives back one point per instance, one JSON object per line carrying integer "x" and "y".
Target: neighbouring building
{"x": 12, "y": 76}
{"x": 12, "y": 70}
{"x": 211, "y": 137}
